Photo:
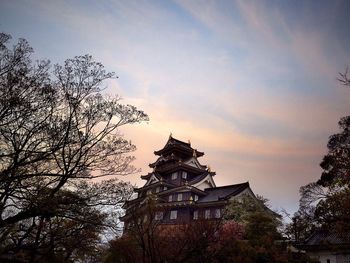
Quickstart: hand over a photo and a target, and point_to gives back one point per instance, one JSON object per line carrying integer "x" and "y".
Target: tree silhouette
{"x": 57, "y": 130}
{"x": 325, "y": 204}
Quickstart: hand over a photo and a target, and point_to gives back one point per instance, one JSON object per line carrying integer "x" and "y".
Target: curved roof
{"x": 163, "y": 159}
{"x": 149, "y": 175}
{"x": 173, "y": 143}
{"x": 223, "y": 192}
{"x": 158, "y": 183}
{"x": 181, "y": 189}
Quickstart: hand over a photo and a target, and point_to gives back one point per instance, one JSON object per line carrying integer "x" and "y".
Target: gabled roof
{"x": 223, "y": 192}
{"x": 194, "y": 162}
{"x": 153, "y": 179}
{"x": 204, "y": 181}
{"x": 200, "y": 177}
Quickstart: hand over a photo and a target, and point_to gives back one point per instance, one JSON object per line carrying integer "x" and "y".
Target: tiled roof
{"x": 219, "y": 193}
{"x": 172, "y": 142}
{"x": 325, "y": 238}
{"x": 163, "y": 159}
{"x": 181, "y": 188}
{"x": 152, "y": 185}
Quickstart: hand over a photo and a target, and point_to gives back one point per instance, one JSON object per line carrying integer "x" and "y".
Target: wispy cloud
{"x": 253, "y": 84}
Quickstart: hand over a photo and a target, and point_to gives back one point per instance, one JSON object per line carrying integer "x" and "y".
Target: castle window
{"x": 184, "y": 175}
{"x": 174, "y": 176}
{"x": 157, "y": 189}
{"x": 173, "y": 214}
{"x": 165, "y": 188}
{"x": 195, "y": 197}
{"x": 195, "y": 215}
{"x": 179, "y": 197}
{"x": 217, "y": 213}
{"x": 158, "y": 216}
{"x": 170, "y": 198}
{"x": 207, "y": 214}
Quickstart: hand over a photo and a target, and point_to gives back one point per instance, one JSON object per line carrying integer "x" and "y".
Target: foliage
{"x": 327, "y": 200}
{"x": 200, "y": 241}
{"x": 203, "y": 241}
{"x": 302, "y": 225}
{"x": 255, "y": 215}
{"x": 57, "y": 130}
{"x": 142, "y": 228}
{"x": 220, "y": 240}
{"x": 239, "y": 209}
{"x": 261, "y": 227}
{"x": 336, "y": 165}
{"x": 333, "y": 213}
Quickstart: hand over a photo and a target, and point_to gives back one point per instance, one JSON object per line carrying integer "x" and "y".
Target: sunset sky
{"x": 253, "y": 84}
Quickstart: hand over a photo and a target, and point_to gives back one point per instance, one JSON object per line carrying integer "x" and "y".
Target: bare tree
{"x": 57, "y": 130}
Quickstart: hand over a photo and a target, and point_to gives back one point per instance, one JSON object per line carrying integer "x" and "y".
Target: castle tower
{"x": 183, "y": 189}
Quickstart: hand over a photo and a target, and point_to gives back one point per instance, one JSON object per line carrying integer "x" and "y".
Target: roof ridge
{"x": 228, "y": 186}
{"x": 177, "y": 140}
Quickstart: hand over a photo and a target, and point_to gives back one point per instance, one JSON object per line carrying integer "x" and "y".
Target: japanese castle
{"x": 183, "y": 188}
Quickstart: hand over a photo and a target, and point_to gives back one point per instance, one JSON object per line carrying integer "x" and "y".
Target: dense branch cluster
{"x": 57, "y": 129}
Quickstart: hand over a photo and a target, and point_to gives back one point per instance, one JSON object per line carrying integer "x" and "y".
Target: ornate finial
{"x": 189, "y": 141}
{"x": 171, "y": 135}
{"x": 194, "y": 153}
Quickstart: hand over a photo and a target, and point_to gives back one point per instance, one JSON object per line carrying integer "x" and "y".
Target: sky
{"x": 253, "y": 84}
